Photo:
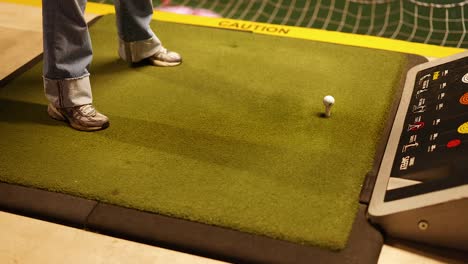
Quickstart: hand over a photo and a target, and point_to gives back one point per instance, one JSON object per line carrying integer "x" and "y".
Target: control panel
{"x": 433, "y": 145}
{"x": 421, "y": 188}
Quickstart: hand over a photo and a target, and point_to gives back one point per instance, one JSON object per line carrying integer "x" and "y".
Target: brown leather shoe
{"x": 83, "y": 117}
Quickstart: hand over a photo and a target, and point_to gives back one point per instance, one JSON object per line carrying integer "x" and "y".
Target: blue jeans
{"x": 67, "y": 46}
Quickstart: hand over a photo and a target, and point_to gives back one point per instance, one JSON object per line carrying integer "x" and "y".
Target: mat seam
{"x": 86, "y": 222}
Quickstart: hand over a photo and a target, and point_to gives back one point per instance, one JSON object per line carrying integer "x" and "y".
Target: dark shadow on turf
{"x": 12, "y": 111}
{"x": 111, "y": 66}
{"x": 204, "y": 147}
{"x": 321, "y": 115}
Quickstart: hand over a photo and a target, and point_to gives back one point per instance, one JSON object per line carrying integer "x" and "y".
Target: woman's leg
{"x": 67, "y": 56}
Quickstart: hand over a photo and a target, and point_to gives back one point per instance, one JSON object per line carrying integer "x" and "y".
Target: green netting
{"x": 431, "y": 22}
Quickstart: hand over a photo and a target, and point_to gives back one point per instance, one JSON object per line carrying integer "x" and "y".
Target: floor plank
{"x": 15, "y": 51}
{"x": 27, "y": 240}
{"x": 20, "y": 35}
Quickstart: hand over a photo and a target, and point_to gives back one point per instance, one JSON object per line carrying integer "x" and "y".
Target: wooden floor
{"x": 27, "y": 240}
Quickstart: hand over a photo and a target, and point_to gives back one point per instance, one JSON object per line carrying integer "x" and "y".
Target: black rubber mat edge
{"x": 50, "y": 206}
{"x": 364, "y": 244}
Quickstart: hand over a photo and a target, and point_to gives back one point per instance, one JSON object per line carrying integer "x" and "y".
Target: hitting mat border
{"x": 364, "y": 244}
{"x": 224, "y": 244}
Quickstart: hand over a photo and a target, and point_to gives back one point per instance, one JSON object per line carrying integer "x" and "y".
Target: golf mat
{"x": 232, "y": 138}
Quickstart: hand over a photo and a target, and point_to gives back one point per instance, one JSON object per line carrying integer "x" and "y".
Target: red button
{"x": 453, "y": 143}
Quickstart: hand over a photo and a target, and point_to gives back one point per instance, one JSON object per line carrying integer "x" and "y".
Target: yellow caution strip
{"x": 284, "y": 31}
{"x": 313, "y": 34}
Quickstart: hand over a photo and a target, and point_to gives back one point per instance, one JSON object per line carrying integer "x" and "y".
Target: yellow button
{"x": 463, "y": 129}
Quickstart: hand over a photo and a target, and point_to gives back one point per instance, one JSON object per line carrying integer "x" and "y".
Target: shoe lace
{"x": 162, "y": 50}
{"x": 88, "y": 110}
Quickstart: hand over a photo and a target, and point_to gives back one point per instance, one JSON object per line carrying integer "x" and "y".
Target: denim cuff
{"x": 68, "y": 92}
{"x": 136, "y": 51}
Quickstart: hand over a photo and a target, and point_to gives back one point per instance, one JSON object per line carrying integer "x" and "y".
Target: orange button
{"x": 464, "y": 99}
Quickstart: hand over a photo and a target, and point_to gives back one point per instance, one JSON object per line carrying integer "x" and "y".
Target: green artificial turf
{"x": 233, "y": 137}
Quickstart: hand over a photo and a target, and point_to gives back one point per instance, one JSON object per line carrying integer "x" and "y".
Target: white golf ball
{"x": 328, "y": 100}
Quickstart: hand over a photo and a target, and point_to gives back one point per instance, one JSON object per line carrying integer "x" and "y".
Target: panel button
{"x": 415, "y": 126}
{"x": 463, "y": 129}
{"x": 453, "y": 143}
{"x": 408, "y": 146}
{"x": 464, "y": 99}
{"x": 465, "y": 78}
